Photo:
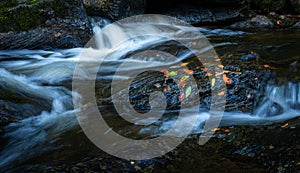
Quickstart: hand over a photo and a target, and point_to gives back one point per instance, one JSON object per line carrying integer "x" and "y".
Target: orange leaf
{"x": 266, "y": 66}
{"x": 226, "y": 79}
{"x": 166, "y": 90}
{"x": 167, "y": 75}
{"x": 182, "y": 83}
{"x": 222, "y": 93}
{"x": 204, "y": 69}
{"x": 208, "y": 74}
{"x": 285, "y": 125}
{"x": 188, "y": 71}
{"x": 227, "y": 131}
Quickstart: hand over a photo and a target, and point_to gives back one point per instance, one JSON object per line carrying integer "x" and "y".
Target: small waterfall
{"x": 279, "y": 99}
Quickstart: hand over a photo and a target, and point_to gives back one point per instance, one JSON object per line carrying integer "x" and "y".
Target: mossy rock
{"x": 29, "y": 14}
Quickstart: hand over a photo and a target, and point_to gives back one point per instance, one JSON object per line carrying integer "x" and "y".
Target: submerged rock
{"x": 259, "y": 21}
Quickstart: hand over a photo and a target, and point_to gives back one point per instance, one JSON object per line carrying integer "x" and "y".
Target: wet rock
{"x": 297, "y": 25}
{"x": 36, "y": 24}
{"x": 115, "y": 9}
{"x": 250, "y": 57}
{"x": 268, "y": 6}
{"x": 194, "y": 15}
{"x": 256, "y": 22}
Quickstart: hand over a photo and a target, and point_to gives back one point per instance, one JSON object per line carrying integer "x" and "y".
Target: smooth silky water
{"x": 54, "y": 135}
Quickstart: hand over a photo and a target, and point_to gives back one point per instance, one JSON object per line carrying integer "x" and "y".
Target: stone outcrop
{"x": 43, "y": 24}
{"x": 115, "y": 9}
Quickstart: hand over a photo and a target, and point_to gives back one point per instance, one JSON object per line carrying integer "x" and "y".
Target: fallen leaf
{"x": 184, "y": 78}
{"x": 182, "y": 83}
{"x": 227, "y": 131}
{"x": 204, "y": 69}
{"x": 184, "y": 64}
{"x": 181, "y": 97}
{"x": 271, "y": 147}
{"x": 266, "y": 66}
{"x": 166, "y": 90}
{"x": 226, "y": 79}
{"x": 167, "y": 75}
{"x": 279, "y": 22}
{"x": 208, "y": 74}
{"x": 213, "y": 81}
{"x": 173, "y": 73}
{"x": 188, "y": 71}
{"x": 285, "y": 125}
{"x": 221, "y": 66}
{"x": 215, "y": 129}
{"x": 218, "y": 60}
{"x": 188, "y": 91}
{"x": 222, "y": 93}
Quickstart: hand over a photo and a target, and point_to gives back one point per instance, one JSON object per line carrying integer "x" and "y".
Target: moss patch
{"x": 22, "y": 17}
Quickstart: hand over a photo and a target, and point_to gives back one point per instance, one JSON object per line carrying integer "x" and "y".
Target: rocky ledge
{"x": 43, "y": 24}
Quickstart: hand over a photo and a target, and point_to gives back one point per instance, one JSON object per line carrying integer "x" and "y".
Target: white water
{"x": 25, "y": 72}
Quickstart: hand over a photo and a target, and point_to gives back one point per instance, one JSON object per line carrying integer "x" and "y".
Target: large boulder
{"x": 43, "y": 24}
{"x": 268, "y": 5}
{"x": 115, "y": 9}
{"x": 258, "y": 21}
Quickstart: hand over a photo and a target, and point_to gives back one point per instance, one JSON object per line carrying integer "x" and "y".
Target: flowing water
{"x": 45, "y": 78}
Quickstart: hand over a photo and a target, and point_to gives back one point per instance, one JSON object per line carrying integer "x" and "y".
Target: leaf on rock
{"x": 173, "y": 73}
{"x": 213, "y": 81}
{"x": 184, "y": 78}
{"x": 188, "y": 91}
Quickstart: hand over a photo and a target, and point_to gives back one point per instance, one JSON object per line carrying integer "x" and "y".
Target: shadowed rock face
{"x": 191, "y": 11}
{"x": 115, "y": 9}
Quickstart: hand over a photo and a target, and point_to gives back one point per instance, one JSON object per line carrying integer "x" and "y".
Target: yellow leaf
{"x": 213, "y": 81}
{"x": 184, "y": 78}
{"x": 184, "y": 64}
